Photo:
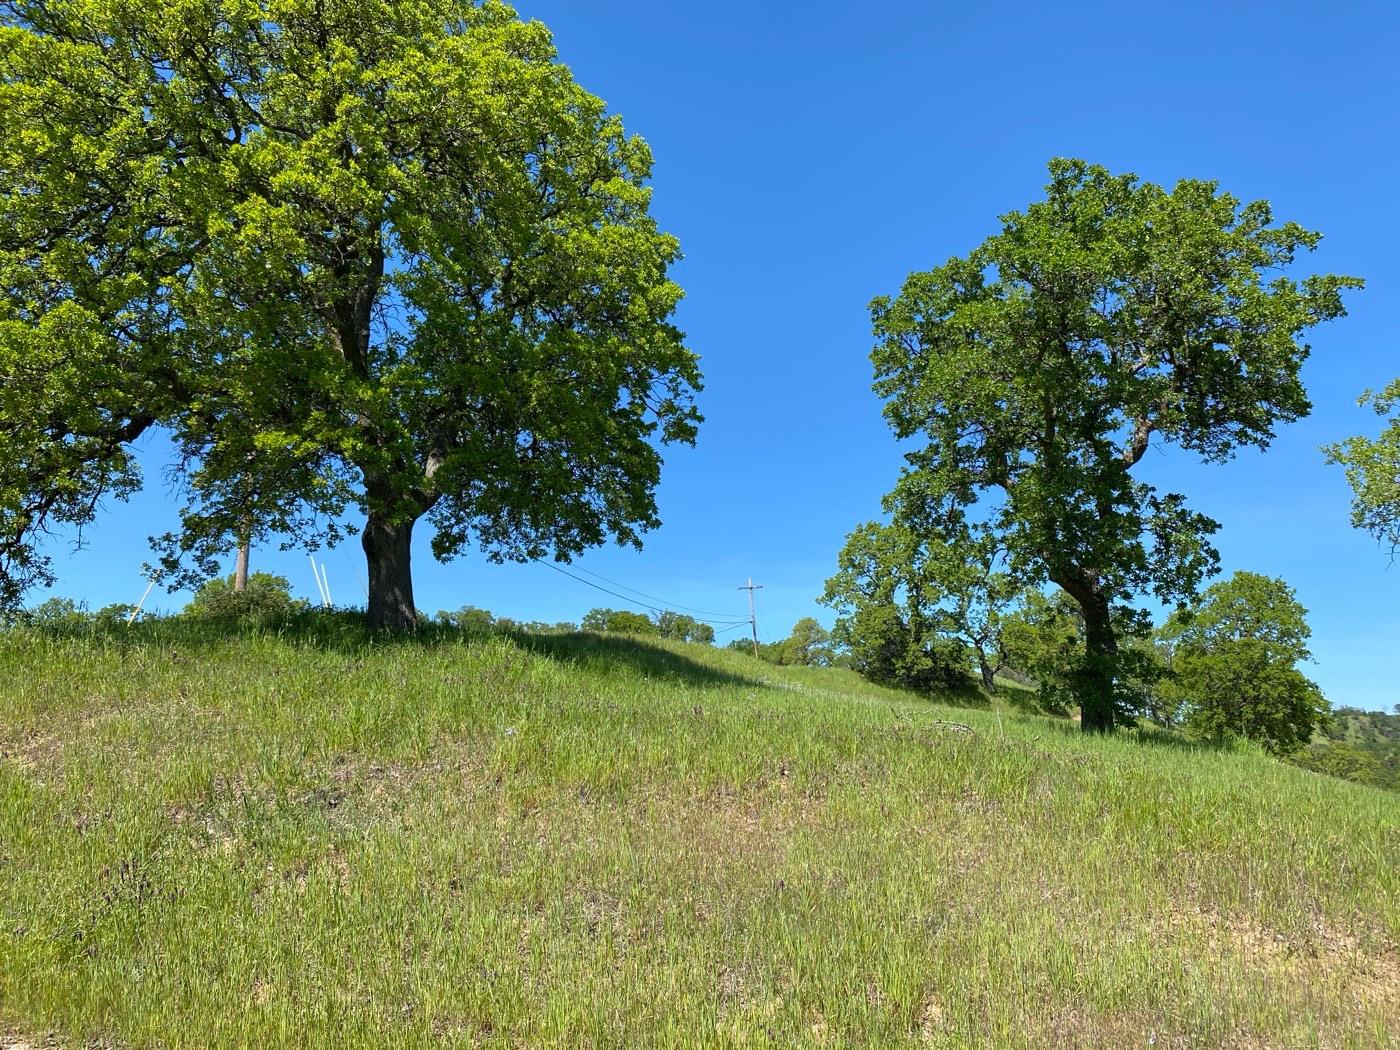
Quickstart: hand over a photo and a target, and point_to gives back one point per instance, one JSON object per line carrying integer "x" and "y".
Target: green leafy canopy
{"x": 916, "y": 601}
{"x": 1036, "y": 372}
{"x": 1234, "y": 665}
{"x": 1373, "y": 469}
{"x": 383, "y": 254}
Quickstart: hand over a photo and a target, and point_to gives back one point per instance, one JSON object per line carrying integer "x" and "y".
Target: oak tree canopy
{"x": 373, "y": 254}
{"x": 1034, "y": 374}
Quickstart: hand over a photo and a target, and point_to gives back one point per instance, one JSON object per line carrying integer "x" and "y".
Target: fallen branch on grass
{"x": 955, "y": 726}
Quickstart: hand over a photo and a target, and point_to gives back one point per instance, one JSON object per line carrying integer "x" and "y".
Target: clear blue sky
{"x": 810, "y": 155}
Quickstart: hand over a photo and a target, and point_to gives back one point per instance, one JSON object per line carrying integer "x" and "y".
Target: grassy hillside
{"x": 1359, "y": 745}
{"x": 304, "y": 839}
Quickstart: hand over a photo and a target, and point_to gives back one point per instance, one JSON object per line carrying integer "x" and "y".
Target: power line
{"x": 644, "y": 594}
{"x": 632, "y": 601}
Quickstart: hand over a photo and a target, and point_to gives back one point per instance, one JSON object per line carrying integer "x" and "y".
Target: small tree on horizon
{"x": 890, "y": 601}
{"x": 809, "y": 644}
{"x": 1234, "y": 665}
{"x": 263, "y": 595}
{"x": 954, "y": 591}
{"x": 619, "y": 621}
{"x": 682, "y": 628}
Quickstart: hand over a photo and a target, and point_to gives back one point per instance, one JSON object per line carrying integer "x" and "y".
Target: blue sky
{"x": 810, "y": 155}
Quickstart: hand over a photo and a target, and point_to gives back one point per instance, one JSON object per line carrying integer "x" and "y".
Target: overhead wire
{"x": 632, "y": 601}
{"x": 644, "y": 594}
{"x": 731, "y": 627}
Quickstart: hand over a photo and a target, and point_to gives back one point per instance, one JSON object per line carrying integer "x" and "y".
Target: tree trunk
{"x": 989, "y": 673}
{"x": 387, "y": 546}
{"x": 1095, "y": 678}
{"x": 240, "y": 567}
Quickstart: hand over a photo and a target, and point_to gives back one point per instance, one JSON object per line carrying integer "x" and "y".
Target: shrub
{"x": 266, "y": 597}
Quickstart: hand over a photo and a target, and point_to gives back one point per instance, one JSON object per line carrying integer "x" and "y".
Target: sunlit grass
{"x": 305, "y": 838}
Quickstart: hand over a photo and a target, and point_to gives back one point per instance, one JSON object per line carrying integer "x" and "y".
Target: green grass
{"x": 310, "y": 839}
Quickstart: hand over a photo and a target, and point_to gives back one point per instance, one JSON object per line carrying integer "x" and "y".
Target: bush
{"x": 63, "y": 615}
{"x": 467, "y": 618}
{"x": 266, "y": 597}
{"x": 619, "y": 621}
{"x": 57, "y": 614}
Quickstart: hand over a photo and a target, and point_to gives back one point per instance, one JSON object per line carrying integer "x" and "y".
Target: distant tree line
{"x": 809, "y": 645}
{"x": 470, "y": 618}
{"x": 268, "y": 597}
{"x": 670, "y": 625}
{"x": 1363, "y": 746}
{"x": 264, "y": 596}
{"x": 674, "y": 626}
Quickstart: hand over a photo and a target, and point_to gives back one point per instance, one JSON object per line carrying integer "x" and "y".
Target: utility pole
{"x": 753, "y": 618}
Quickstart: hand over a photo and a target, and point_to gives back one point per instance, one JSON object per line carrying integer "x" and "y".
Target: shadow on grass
{"x": 1013, "y": 699}
{"x": 639, "y": 655}
{"x": 1156, "y": 736}
{"x": 348, "y": 632}
{"x": 968, "y": 695}
{"x": 1148, "y": 735}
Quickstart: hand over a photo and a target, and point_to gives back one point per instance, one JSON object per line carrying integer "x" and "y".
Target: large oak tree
{"x": 373, "y": 254}
{"x": 1036, "y": 372}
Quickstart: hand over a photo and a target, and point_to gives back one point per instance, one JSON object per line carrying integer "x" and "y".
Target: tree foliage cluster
{"x": 918, "y": 609}
{"x": 1231, "y": 665}
{"x": 808, "y": 645}
{"x": 674, "y": 626}
{"x": 1225, "y": 667}
{"x": 372, "y": 255}
{"x": 1373, "y": 469}
{"x": 1033, "y": 375}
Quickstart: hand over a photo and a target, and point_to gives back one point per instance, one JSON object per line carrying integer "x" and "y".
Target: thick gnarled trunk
{"x": 1095, "y": 678}
{"x": 388, "y": 547}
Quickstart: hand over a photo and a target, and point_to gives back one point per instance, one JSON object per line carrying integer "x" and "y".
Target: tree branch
{"x": 1143, "y": 428}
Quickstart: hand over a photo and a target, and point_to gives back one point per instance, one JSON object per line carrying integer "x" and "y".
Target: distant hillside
{"x": 305, "y": 836}
{"x": 1363, "y": 746}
